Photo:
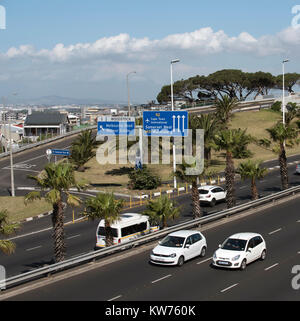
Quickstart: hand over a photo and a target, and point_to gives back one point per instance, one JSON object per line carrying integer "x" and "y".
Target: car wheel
{"x": 213, "y": 203}
{"x": 243, "y": 265}
{"x": 203, "y": 251}
{"x": 180, "y": 261}
{"x": 263, "y": 255}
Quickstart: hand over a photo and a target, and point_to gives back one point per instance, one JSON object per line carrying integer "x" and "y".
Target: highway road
{"x": 29, "y": 162}
{"x": 134, "y": 279}
{"x": 35, "y": 244}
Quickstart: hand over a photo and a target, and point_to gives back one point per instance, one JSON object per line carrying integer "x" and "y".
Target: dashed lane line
{"x": 229, "y": 288}
{"x": 271, "y": 267}
{"x": 163, "y": 278}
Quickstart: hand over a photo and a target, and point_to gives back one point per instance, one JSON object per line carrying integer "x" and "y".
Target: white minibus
{"x": 128, "y": 228}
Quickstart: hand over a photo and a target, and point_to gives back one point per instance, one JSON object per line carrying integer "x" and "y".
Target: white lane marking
{"x": 34, "y": 248}
{"x": 230, "y": 287}
{"x": 115, "y": 298}
{"x": 273, "y": 232}
{"x": 29, "y": 234}
{"x": 165, "y": 277}
{"x": 271, "y": 267}
{"x": 73, "y": 237}
{"x": 243, "y": 187}
{"x": 204, "y": 261}
{"x": 298, "y": 221}
{"x": 22, "y": 169}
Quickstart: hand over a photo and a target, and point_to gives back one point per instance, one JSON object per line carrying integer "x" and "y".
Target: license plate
{"x": 223, "y": 263}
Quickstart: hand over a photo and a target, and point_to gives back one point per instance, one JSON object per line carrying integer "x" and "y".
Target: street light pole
{"x": 128, "y": 91}
{"x": 283, "y": 91}
{"x": 172, "y": 104}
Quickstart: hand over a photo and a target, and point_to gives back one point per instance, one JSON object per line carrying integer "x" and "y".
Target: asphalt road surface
{"x": 134, "y": 279}
{"x": 34, "y": 239}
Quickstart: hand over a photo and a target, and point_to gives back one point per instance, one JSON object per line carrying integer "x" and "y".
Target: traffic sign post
{"x": 57, "y": 152}
{"x": 116, "y": 126}
{"x": 165, "y": 123}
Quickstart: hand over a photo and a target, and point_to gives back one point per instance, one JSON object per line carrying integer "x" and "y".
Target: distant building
{"x": 45, "y": 123}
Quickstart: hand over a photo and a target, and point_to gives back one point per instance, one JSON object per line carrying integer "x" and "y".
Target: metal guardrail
{"x": 242, "y": 106}
{"x": 47, "y": 141}
{"x": 92, "y": 256}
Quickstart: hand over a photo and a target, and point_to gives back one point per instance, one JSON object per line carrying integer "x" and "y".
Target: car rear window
{"x": 203, "y": 191}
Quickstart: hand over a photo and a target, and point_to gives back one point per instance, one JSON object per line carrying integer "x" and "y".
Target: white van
{"x": 128, "y": 228}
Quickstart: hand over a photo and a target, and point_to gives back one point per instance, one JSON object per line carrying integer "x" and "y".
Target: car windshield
{"x": 172, "y": 241}
{"x": 234, "y": 245}
{"x": 203, "y": 191}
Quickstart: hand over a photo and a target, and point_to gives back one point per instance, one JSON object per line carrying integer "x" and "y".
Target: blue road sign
{"x": 165, "y": 123}
{"x": 116, "y": 126}
{"x": 60, "y": 152}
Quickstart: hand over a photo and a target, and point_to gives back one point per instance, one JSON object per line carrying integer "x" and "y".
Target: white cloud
{"x": 113, "y": 57}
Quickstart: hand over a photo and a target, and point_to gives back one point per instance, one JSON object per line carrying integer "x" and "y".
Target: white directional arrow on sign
{"x": 174, "y": 118}
{"x": 178, "y": 117}
{"x": 183, "y": 118}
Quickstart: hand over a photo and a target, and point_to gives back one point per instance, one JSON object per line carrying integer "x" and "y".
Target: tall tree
{"x": 227, "y": 140}
{"x": 224, "y": 110}
{"x": 210, "y": 125}
{"x": 104, "y": 207}
{"x": 290, "y": 80}
{"x": 83, "y": 149}
{"x": 252, "y": 170}
{"x": 161, "y": 210}
{"x": 56, "y": 181}
{"x": 6, "y": 229}
{"x": 282, "y": 137}
{"x": 190, "y": 174}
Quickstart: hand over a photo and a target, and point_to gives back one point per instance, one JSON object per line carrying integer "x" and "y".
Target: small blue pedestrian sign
{"x": 165, "y": 123}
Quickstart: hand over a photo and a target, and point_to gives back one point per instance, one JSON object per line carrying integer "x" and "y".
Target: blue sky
{"x": 252, "y": 35}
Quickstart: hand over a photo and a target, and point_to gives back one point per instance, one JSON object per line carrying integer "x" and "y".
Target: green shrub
{"x": 276, "y": 106}
{"x": 143, "y": 179}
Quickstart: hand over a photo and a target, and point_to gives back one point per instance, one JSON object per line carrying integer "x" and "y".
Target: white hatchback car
{"x": 239, "y": 250}
{"x": 178, "y": 247}
{"x": 211, "y": 194}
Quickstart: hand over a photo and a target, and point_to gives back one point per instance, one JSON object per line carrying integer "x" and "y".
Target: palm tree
{"x": 161, "y": 210}
{"x": 227, "y": 140}
{"x": 210, "y": 125}
{"x": 6, "y": 229}
{"x": 283, "y": 136}
{"x": 224, "y": 110}
{"x": 190, "y": 174}
{"x": 253, "y": 170}
{"x": 104, "y": 207}
{"x": 56, "y": 181}
{"x": 83, "y": 149}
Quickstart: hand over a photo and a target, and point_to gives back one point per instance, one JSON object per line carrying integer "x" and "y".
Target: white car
{"x": 239, "y": 250}
{"x": 178, "y": 247}
{"x": 212, "y": 194}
